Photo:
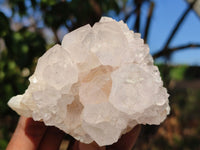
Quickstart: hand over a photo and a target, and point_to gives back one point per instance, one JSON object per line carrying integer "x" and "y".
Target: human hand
{"x": 34, "y": 135}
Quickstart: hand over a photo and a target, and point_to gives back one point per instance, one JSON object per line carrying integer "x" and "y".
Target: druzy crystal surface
{"x": 97, "y": 85}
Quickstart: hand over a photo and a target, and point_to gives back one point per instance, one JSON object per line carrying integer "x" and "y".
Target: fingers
{"x": 127, "y": 141}
{"x": 92, "y": 146}
{"x": 52, "y": 139}
{"x": 27, "y": 135}
{"x": 32, "y": 135}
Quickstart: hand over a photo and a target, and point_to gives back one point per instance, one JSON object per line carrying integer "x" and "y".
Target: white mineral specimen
{"x": 97, "y": 85}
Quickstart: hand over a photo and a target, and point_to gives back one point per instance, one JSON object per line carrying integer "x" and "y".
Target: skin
{"x": 34, "y": 135}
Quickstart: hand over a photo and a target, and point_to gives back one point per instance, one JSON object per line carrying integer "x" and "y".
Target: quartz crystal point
{"x": 97, "y": 85}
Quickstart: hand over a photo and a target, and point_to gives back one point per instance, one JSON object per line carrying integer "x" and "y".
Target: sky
{"x": 166, "y": 14}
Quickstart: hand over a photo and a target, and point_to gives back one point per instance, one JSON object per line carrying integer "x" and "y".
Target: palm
{"x": 33, "y": 135}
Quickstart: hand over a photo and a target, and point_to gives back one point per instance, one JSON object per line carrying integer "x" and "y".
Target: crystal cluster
{"x": 97, "y": 85}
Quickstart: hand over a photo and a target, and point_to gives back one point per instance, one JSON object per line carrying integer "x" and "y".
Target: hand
{"x": 34, "y": 135}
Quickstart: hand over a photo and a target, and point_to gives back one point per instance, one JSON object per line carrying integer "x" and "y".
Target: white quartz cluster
{"x": 97, "y": 85}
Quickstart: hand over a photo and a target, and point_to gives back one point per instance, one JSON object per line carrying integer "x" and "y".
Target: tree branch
{"x": 178, "y": 48}
{"x": 128, "y": 15}
{"x": 165, "y": 48}
{"x": 137, "y": 22}
{"x": 56, "y": 36}
{"x": 150, "y": 13}
{"x": 184, "y": 47}
{"x": 178, "y": 24}
{"x": 96, "y": 7}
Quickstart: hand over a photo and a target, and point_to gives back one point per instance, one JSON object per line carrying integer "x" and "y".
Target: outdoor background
{"x": 170, "y": 27}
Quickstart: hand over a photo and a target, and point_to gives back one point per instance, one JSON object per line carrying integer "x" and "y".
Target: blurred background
{"x": 170, "y": 27}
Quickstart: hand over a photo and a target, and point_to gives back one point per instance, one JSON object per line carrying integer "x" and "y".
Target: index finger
{"x": 27, "y": 135}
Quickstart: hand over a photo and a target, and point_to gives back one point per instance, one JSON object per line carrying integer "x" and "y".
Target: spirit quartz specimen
{"x": 97, "y": 85}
